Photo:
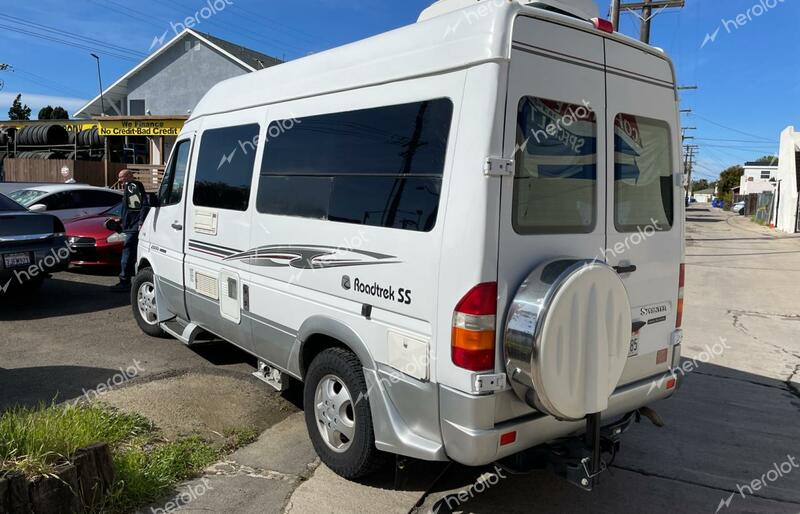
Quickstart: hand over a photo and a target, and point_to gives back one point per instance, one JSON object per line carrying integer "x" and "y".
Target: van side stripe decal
{"x": 310, "y": 257}
{"x": 210, "y": 250}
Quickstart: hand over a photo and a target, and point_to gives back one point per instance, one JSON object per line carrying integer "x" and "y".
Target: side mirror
{"x": 134, "y": 195}
{"x": 39, "y": 207}
{"x": 113, "y": 225}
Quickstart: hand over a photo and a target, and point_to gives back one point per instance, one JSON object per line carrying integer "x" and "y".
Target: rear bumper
{"x": 49, "y": 256}
{"x": 472, "y": 438}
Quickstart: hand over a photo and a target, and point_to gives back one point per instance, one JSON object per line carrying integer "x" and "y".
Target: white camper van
{"x": 464, "y": 237}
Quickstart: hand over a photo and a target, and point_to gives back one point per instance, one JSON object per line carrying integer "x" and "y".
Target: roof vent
{"x": 584, "y": 9}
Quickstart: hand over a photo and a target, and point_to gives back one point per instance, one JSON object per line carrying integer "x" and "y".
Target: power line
{"x": 646, "y": 7}
{"x": 733, "y": 140}
{"x": 85, "y": 39}
{"x": 68, "y": 43}
{"x": 732, "y": 129}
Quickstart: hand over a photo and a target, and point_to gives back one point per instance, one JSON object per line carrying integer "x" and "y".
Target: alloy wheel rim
{"x": 335, "y": 413}
{"x": 146, "y": 301}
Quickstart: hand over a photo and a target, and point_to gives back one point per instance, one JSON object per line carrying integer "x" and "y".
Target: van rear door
{"x": 644, "y": 223}
{"x": 555, "y": 204}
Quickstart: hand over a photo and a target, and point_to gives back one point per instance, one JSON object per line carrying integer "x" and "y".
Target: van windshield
{"x": 555, "y": 184}
{"x": 643, "y": 181}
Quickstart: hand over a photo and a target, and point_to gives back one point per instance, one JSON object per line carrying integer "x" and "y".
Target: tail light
{"x": 603, "y": 25}
{"x": 681, "y": 280}
{"x": 474, "y": 320}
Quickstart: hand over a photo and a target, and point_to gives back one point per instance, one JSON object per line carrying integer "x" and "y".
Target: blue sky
{"x": 749, "y": 76}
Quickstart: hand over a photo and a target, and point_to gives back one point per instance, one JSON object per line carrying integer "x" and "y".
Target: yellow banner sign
{"x": 140, "y": 127}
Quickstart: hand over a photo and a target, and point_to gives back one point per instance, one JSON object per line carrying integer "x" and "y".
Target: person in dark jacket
{"x": 131, "y": 221}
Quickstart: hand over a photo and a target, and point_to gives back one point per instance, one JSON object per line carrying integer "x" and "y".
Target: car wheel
{"x": 143, "y": 300}
{"x": 338, "y": 414}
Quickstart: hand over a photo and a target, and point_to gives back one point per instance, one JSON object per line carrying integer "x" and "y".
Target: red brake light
{"x": 508, "y": 438}
{"x": 603, "y": 25}
{"x": 681, "y": 281}
{"x": 473, "y": 337}
{"x": 481, "y": 300}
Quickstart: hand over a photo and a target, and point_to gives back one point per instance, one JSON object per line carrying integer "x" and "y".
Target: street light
{"x": 100, "y": 81}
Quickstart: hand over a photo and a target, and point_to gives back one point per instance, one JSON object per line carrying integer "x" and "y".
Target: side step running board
{"x": 184, "y": 331}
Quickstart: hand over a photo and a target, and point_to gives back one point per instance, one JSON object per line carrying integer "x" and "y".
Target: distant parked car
{"x": 738, "y": 207}
{"x": 67, "y": 201}
{"x": 32, "y": 245}
{"x": 92, "y": 243}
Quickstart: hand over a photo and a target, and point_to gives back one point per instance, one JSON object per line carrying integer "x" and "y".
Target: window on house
{"x": 765, "y": 175}
{"x": 136, "y": 107}
{"x": 381, "y": 166}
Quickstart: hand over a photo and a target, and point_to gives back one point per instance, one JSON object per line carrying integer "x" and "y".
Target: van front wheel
{"x": 143, "y": 300}
{"x": 338, "y": 415}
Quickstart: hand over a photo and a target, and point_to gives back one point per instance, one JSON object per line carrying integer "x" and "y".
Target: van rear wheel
{"x": 338, "y": 414}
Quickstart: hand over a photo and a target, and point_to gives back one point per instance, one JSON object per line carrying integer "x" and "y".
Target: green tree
{"x": 729, "y": 179}
{"x": 699, "y": 185}
{"x": 45, "y": 113}
{"x": 770, "y": 160}
{"x": 59, "y": 113}
{"x": 53, "y": 113}
{"x": 18, "y": 110}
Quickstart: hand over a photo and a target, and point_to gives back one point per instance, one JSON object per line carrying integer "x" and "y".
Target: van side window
{"x": 643, "y": 177}
{"x": 555, "y": 184}
{"x": 171, "y": 191}
{"x": 225, "y": 167}
{"x": 381, "y": 167}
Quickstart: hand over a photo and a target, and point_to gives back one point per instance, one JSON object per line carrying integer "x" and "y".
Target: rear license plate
{"x": 634, "y": 348}
{"x": 16, "y": 260}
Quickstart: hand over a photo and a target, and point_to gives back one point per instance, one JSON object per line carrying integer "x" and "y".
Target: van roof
{"x": 459, "y": 39}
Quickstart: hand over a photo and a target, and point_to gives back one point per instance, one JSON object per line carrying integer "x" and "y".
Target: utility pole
{"x": 649, "y": 9}
{"x": 688, "y": 163}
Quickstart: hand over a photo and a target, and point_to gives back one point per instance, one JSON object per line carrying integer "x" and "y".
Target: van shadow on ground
{"x": 59, "y": 297}
{"x": 723, "y": 428}
{"x": 29, "y": 387}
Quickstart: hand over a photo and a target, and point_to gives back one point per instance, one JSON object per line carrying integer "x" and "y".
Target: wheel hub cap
{"x": 335, "y": 413}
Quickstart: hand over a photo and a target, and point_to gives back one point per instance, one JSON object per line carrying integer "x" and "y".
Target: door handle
{"x": 625, "y": 269}
{"x": 177, "y": 226}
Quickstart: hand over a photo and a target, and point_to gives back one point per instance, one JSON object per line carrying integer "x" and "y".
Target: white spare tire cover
{"x": 567, "y": 337}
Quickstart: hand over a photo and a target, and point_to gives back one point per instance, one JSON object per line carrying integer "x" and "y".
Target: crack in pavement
{"x": 699, "y": 484}
{"x": 230, "y": 468}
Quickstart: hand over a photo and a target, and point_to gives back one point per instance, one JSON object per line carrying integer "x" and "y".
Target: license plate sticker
{"x": 16, "y": 260}
{"x": 634, "y": 348}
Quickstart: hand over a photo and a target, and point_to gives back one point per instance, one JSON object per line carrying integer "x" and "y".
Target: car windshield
{"x": 114, "y": 211}
{"x": 27, "y": 197}
{"x": 9, "y": 205}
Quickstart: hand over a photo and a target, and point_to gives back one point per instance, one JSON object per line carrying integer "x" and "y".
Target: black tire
{"x": 360, "y": 457}
{"x": 142, "y": 279}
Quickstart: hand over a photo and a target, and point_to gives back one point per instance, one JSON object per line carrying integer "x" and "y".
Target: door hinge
{"x": 489, "y": 383}
{"x": 498, "y": 167}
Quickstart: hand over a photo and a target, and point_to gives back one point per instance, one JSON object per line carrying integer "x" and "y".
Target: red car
{"x": 92, "y": 243}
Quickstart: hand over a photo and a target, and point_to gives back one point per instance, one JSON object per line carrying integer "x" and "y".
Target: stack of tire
{"x": 42, "y": 135}
{"x": 42, "y": 154}
{"x": 89, "y": 137}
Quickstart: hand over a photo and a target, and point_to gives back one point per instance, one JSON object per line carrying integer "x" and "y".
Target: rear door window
{"x": 643, "y": 177}
{"x": 555, "y": 184}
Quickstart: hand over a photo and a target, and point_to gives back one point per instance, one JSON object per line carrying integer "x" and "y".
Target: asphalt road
{"x": 735, "y": 420}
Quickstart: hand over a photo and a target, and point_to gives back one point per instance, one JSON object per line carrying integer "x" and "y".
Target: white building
{"x": 757, "y": 178}
{"x": 704, "y": 196}
{"x": 786, "y": 206}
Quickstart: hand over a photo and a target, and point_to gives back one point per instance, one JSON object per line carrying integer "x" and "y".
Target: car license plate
{"x": 16, "y": 260}
{"x": 634, "y": 348}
